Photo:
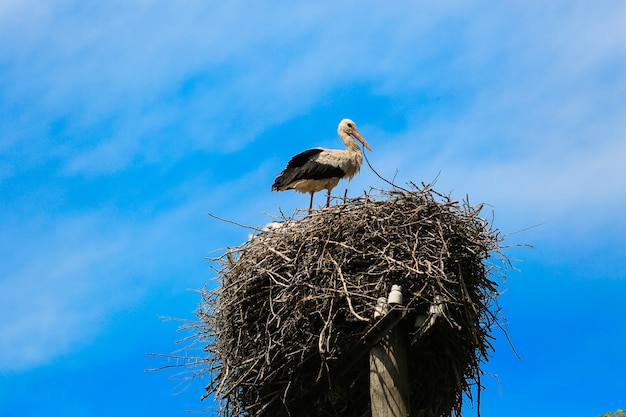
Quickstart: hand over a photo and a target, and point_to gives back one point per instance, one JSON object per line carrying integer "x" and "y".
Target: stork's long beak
{"x": 360, "y": 138}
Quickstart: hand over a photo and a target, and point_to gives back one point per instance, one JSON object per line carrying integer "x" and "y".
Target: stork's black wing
{"x": 303, "y": 166}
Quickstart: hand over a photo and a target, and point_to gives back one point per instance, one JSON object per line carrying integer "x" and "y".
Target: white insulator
{"x": 381, "y": 308}
{"x": 395, "y": 296}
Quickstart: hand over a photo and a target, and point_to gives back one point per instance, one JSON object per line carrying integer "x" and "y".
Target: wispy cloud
{"x": 540, "y": 129}
{"x": 63, "y": 281}
{"x": 51, "y": 291}
{"x": 122, "y": 69}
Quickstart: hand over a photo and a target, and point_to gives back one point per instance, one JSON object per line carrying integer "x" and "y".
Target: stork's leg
{"x": 311, "y": 202}
{"x": 328, "y": 199}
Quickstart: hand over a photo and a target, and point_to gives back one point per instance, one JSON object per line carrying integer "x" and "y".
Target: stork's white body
{"x": 348, "y": 162}
{"x": 321, "y": 169}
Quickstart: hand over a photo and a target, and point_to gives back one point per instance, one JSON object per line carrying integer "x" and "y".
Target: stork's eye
{"x": 350, "y": 125}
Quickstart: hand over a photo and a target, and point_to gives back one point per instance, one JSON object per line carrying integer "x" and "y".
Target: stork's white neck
{"x": 351, "y": 144}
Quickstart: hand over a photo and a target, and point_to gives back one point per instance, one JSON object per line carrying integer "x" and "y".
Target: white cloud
{"x": 258, "y": 66}
{"x": 50, "y": 294}
{"x": 65, "y": 278}
{"x": 542, "y": 134}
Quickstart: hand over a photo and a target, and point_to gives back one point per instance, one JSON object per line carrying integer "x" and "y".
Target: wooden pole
{"x": 389, "y": 382}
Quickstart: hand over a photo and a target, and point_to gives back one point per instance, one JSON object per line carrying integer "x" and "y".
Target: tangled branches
{"x": 294, "y": 303}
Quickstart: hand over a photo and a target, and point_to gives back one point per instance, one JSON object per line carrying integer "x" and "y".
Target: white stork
{"x": 321, "y": 169}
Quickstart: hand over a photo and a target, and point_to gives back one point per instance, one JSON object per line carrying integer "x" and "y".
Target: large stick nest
{"x": 283, "y": 332}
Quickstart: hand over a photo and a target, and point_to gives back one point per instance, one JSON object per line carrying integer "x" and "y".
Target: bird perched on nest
{"x": 320, "y": 169}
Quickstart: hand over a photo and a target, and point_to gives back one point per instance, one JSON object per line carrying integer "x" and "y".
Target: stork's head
{"x": 347, "y": 126}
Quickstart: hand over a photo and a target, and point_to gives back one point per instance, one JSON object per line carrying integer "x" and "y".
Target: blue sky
{"x": 124, "y": 123}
